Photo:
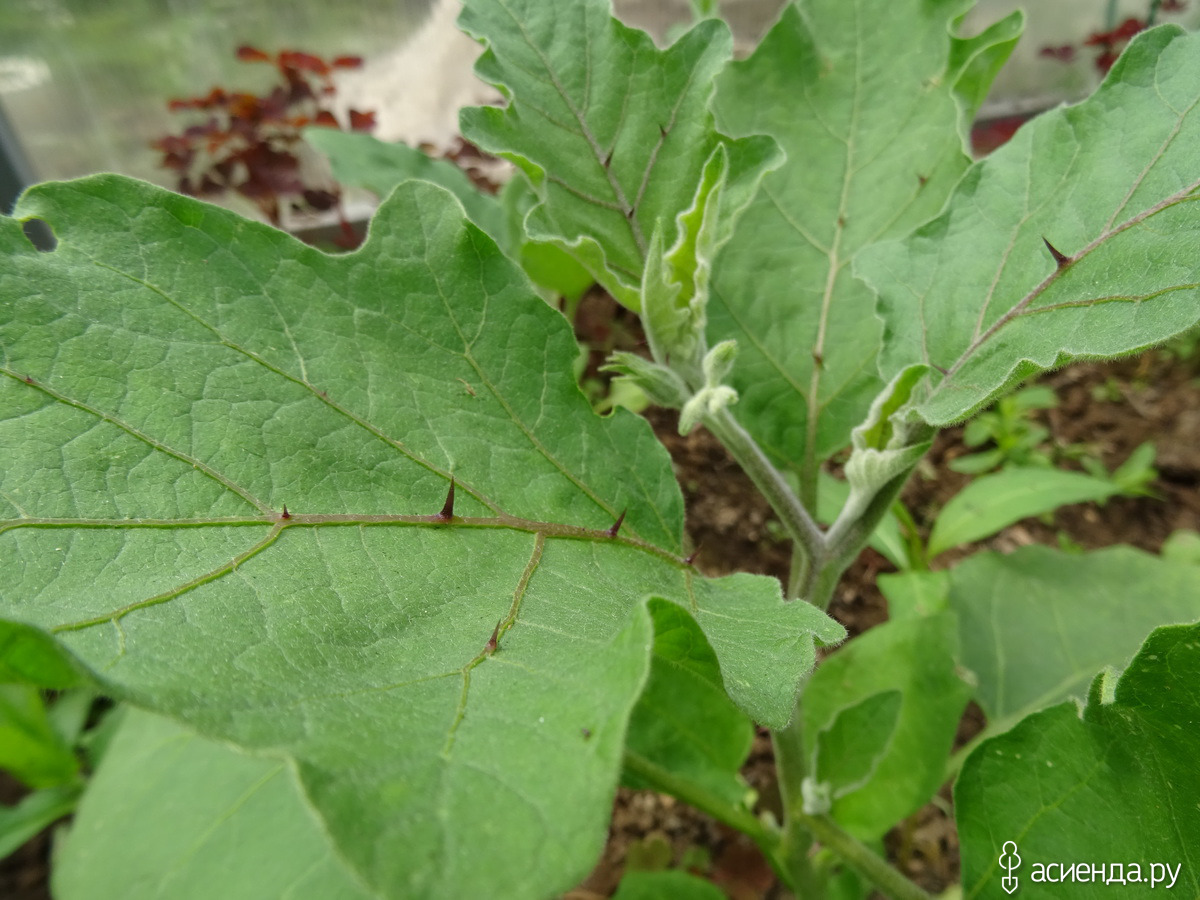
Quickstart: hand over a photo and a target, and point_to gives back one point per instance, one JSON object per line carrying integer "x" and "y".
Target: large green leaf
{"x": 1115, "y": 785}
{"x": 861, "y": 97}
{"x": 1037, "y": 625}
{"x": 1109, "y": 183}
{"x": 171, "y": 816}
{"x": 228, "y": 456}
{"x": 612, "y": 132}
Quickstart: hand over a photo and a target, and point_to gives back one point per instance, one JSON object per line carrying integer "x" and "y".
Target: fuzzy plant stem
{"x": 795, "y": 518}
{"x": 861, "y": 858}
{"x": 815, "y": 573}
{"x": 767, "y": 837}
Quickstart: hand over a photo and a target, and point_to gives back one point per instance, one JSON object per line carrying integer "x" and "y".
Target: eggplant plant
{"x": 392, "y": 612}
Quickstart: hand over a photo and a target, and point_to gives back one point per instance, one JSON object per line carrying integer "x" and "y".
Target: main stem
{"x": 795, "y": 518}
{"x": 816, "y": 570}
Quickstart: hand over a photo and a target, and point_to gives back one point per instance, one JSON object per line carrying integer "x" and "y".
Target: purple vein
{"x": 1022, "y": 307}
{"x": 533, "y": 439}
{"x": 224, "y": 569}
{"x": 1167, "y": 141}
{"x": 1012, "y": 242}
{"x": 584, "y": 131}
{"x": 809, "y": 468}
{"x": 506, "y": 623}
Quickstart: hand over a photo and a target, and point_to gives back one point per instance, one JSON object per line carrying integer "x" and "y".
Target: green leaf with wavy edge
{"x": 169, "y": 815}
{"x": 1035, "y": 626}
{"x": 915, "y": 657}
{"x": 1115, "y": 784}
{"x": 613, "y": 132}
{"x": 861, "y": 97}
{"x": 363, "y": 161}
{"x": 1110, "y": 183}
{"x": 175, "y": 375}
{"x": 992, "y": 502}
{"x": 976, "y": 60}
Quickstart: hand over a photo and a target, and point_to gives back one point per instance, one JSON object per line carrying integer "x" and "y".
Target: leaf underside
{"x": 612, "y": 132}
{"x": 859, "y": 96}
{"x": 1111, "y": 186}
{"x": 175, "y": 377}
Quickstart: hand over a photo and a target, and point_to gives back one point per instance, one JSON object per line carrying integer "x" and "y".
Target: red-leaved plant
{"x": 252, "y": 144}
{"x": 1110, "y": 42}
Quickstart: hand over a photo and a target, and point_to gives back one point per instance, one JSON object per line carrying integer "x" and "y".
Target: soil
{"x": 1111, "y": 408}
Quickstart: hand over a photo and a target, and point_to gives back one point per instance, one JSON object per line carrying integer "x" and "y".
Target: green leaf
{"x": 975, "y": 61}
{"x": 915, "y": 658}
{"x": 849, "y": 748}
{"x": 549, "y": 266}
{"x": 171, "y": 815}
{"x": 993, "y": 502}
{"x": 363, "y": 161}
{"x": 612, "y": 132}
{"x": 861, "y": 96}
{"x": 684, "y": 722}
{"x": 1182, "y": 546}
{"x": 915, "y": 593}
{"x": 30, "y": 656}
{"x": 1115, "y": 785}
{"x": 674, "y": 884}
{"x": 34, "y": 813}
{"x": 1110, "y": 183}
{"x": 675, "y": 284}
{"x": 31, "y": 749}
{"x": 194, "y": 373}
{"x": 1037, "y": 625}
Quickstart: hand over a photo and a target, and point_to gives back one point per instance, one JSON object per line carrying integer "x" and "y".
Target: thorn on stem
{"x": 286, "y": 514}
{"x": 447, "y": 513}
{"x": 940, "y": 369}
{"x": 691, "y": 559}
{"x": 608, "y": 159}
{"x": 1060, "y": 259}
{"x": 490, "y": 647}
{"x": 818, "y": 359}
{"x": 923, "y": 179}
{"x": 586, "y": 732}
{"x": 616, "y": 526}
{"x": 662, "y": 132}
{"x": 28, "y": 380}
